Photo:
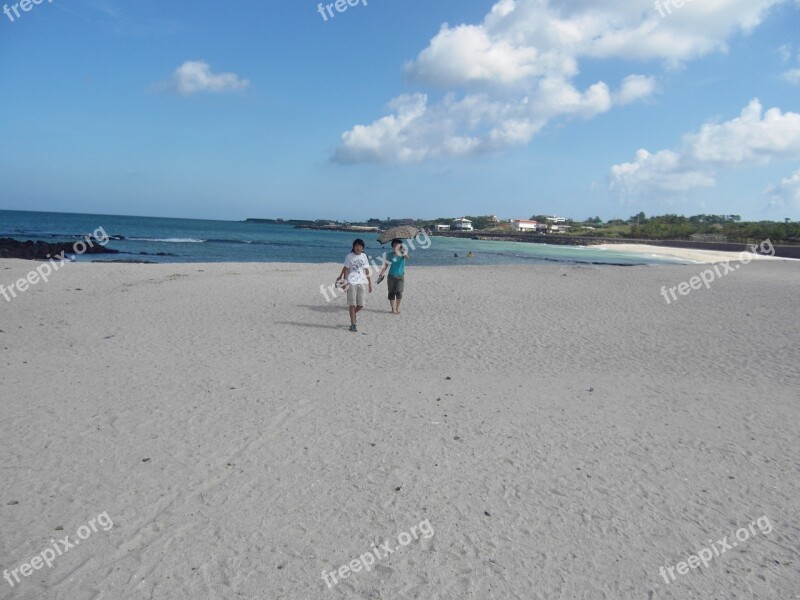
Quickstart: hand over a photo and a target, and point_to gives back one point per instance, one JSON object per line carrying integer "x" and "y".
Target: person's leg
{"x": 360, "y": 302}
{"x": 399, "y": 287}
{"x": 391, "y": 283}
{"x": 351, "y": 305}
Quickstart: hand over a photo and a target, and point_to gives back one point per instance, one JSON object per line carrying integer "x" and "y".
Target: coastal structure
{"x": 462, "y": 224}
{"x": 524, "y": 225}
{"x": 441, "y": 227}
{"x": 556, "y": 224}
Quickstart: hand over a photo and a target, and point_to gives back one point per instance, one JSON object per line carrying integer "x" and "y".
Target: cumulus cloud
{"x": 753, "y": 138}
{"x": 507, "y": 77}
{"x": 467, "y": 54}
{"x": 786, "y": 194}
{"x": 636, "y": 87}
{"x": 195, "y": 76}
{"x": 417, "y": 130}
{"x": 664, "y": 171}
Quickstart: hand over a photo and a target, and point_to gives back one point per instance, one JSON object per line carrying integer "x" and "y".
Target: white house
{"x": 556, "y": 224}
{"x": 462, "y": 224}
{"x": 524, "y": 225}
{"x": 441, "y": 227}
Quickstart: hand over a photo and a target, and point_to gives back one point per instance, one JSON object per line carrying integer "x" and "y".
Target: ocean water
{"x": 193, "y": 240}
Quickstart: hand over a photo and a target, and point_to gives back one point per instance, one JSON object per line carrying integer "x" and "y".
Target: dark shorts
{"x": 395, "y": 285}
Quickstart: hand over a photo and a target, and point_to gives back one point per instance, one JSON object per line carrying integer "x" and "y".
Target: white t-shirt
{"x": 356, "y": 264}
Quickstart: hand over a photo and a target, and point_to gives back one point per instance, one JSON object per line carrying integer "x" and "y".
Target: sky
{"x": 401, "y": 108}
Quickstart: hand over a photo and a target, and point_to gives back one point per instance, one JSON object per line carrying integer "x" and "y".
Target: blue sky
{"x": 405, "y": 108}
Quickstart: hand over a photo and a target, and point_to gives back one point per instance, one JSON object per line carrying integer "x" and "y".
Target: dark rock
{"x": 30, "y": 250}
{"x": 131, "y": 261}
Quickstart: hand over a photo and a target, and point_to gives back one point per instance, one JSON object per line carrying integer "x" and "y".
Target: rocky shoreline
{"x": 31, "y": 250}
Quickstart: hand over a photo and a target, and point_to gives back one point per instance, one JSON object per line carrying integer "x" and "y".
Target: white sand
{"x": 684, "y": 254}
{"x": 605, "y": 433}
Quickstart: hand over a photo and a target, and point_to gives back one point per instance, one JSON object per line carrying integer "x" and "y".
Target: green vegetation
{"x": 676, "y": 227}
{"x": 664, "y": 227}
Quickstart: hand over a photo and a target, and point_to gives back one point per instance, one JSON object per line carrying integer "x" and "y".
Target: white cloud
{"x": 195, "y": 76}
{"x": 635, "y": 87}
{"x": 416, "y": 131}
{"x": 786, "y": 194}
{"x": 387, "y": 139}
{"x": 664, "y": 171}
{"x": 515, "y": 71}
{"x": 791, "y": 76}
{"x": 466, "y": 54}
{"x": 785, "y": 53}
{"x": 753, "y": 138}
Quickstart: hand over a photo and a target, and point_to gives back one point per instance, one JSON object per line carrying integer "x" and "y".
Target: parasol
{"x": 400, "y": 233}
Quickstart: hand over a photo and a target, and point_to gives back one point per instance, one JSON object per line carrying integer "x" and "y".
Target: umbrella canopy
{"x": 401, "y": 233}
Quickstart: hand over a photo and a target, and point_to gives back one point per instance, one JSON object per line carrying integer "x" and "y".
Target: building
{"x": 524, "y": 225}
{"x": 462, "y": 224}
{"x": 441, "y": 227}
{"x": 556, "y": 224}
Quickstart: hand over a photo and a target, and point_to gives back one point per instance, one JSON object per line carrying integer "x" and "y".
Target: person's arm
{"x": 369, "y": 281}
{"x": 387, "y": 262}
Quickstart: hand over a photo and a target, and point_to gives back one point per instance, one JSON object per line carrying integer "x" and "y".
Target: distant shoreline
{"x": 782, "y": 251}
{"x": 350, "y": 228}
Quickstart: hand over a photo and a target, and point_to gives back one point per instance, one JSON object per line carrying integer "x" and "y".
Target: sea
{"x": 167, "y": 240}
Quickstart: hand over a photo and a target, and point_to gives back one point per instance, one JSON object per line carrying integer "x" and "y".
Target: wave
{"x": 169, "y": 240}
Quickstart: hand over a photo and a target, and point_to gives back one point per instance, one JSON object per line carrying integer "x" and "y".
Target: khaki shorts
{"x": 356, "y": 294}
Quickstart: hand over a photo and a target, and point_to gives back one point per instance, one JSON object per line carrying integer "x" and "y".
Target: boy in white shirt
{"x": 356, "y": 272}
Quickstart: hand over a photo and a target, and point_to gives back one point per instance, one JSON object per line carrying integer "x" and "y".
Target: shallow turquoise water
{"x": 194, "y": 240}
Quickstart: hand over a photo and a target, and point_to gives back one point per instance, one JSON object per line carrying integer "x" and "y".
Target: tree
{"x": 638, "y": 219}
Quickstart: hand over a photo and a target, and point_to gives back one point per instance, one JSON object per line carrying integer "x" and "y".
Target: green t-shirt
{"x": 397, "y": 268}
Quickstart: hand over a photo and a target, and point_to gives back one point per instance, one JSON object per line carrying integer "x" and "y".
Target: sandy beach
{"x": 686, "y": 254}
{"x": 562, "y": 432}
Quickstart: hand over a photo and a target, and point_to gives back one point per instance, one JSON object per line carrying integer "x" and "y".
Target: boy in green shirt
{"x": 396, "y": 263}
